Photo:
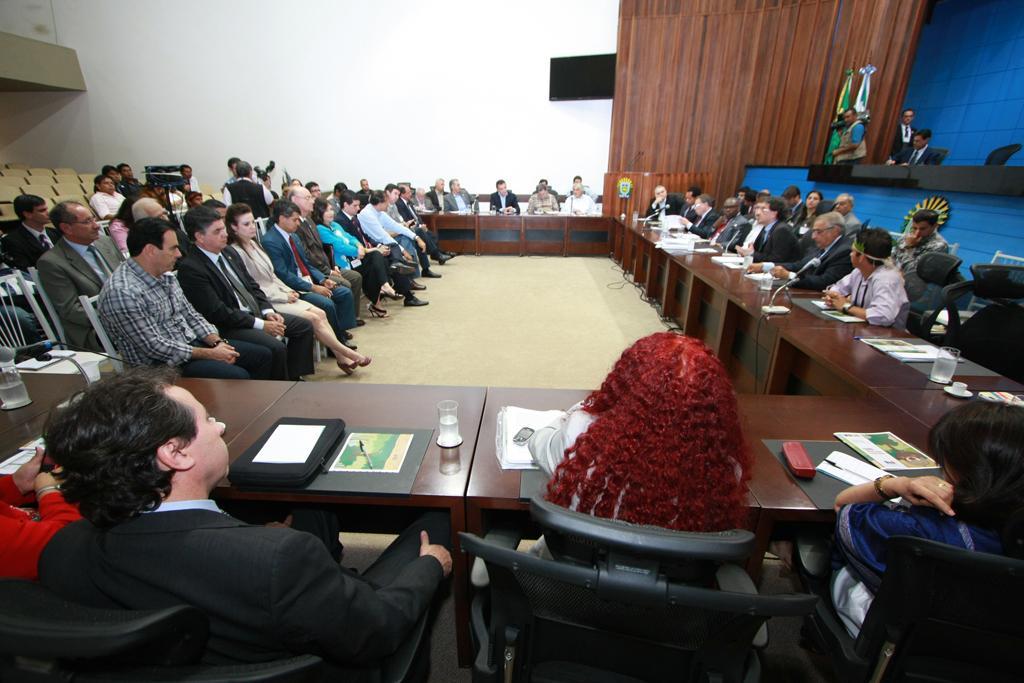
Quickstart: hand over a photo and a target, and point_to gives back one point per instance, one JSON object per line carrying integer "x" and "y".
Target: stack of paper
{"x": 511, "y": 419}
{"x": 730, "y": 261}
{"x": 24, "y": 454}
{"x": 837, "y": 315}
{"x": 847, "y": 468}
{"x": 902, "y": 349}
{"x": 757, "y": 277}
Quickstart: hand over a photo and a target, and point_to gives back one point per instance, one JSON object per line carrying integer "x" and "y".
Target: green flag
{"x": 842, "y": 104}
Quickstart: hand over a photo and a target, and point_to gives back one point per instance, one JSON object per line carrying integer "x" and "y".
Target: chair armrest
{"x": 813, "y": 553}
{"x": 505, "y": 538}
{"x": 733, "y": 578}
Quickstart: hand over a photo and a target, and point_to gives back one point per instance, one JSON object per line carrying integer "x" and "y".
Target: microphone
{"x": 31, "y": 351}
{"x": 782, "y": 310}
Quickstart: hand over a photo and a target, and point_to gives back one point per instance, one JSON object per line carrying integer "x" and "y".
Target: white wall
{"x": 331, "y": 89}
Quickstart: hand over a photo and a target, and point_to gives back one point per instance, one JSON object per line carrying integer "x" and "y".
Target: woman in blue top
{"x": 349, "y": 253}
{"x": 980, "y": 448}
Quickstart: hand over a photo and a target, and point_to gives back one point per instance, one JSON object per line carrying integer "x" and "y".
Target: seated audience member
{"x": 349, "y": 253}
{"x": 873, "y": 290}
{"x": 379, "y": 226}
{"x": 241, "y": 225}
{"x": 622, "y": 453}
{"x": 77, "y": 265}
{"x": 833, "y": 254}
{"x": 420, "y": 200}
{"x": 542, "y": 201}
{"x": 313, "y": 250}
{"x": 217, "y": 206}
{"x": 219, "y": 287}
{"x": 578, "y": 203}
{"x": 247, "y": 190}
{"x": 704, "y": 216}
{"x": 503, "y": 201}
{"x": 586, "y": 188}
{"x": 664, "y": 204}
{"x": 340, "y": 250}
{"x": 410, "y": 240}
{"x": 852, "y": 148}
{"x": 919, "y": 153}
{"x": 844, "y": 206}
{"x": 112, "y": 173}
{"x": 794, "y": 205}
{"x": 106, "y": 200}
{"x": 804, "y": 219}
{"x": 129, "y": 186}
{"x": 295, "y": 269}
{"x": 398, "y": 270}
{"x": 363, "y": 195}
{"x": 729, "y": 224}
{"x": 769, "y": 238}
{"x": 904, "y": 133}
{"x": 191, "y": 182}
{"x": 552, "y": 191}
{"x": 118, "y": 228}
{"x": 408, "y": 212}
{"x": 978, "y": 447}
{"x": 151, "y": 322}
{"x": 141, "y": 457}
{"x": 747, "y": 197}
{"x": 922, "y": 238}
{"x": 434, "y": 196}
{"x": 193, "y": 199}
{"x": 689, "y": 198}
{"x": 314, "y": 189}
{"x": 335, "y": 199}
{"x": 23, "y": 535}
{"x": 23, "y": 245}
{"x": 458, "y": 200}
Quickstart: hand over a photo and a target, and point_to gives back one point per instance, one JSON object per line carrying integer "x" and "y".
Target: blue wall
{"x": 967, "y": 82}
{"x": 980, "y": 223}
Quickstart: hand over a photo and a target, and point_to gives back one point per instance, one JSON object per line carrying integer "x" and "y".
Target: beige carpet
{"x": 506, "y": 321}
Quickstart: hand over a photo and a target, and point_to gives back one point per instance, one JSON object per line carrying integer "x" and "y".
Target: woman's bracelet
{"x": 878, "y": 486}
{"x": 46, "y": 489}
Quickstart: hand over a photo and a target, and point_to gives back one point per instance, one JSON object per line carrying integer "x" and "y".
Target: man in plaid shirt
{"x": 152, "y": 323}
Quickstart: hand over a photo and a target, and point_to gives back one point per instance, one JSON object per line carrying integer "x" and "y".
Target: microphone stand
{"x": 770, "y": 309}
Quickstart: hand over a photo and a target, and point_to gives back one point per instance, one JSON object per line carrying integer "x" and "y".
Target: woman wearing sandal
{"x": 242, "y": 238}
{"x": 349, "y": 253}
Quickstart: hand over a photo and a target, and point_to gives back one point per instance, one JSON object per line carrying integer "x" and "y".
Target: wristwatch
{"x": 847, "y": 306}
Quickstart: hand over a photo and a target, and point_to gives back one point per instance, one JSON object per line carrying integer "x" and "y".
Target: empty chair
{"x": 23, "y": 167}
{"x": 67, "y": 188}
{"x": 46, "y": 172}
{"x": 11, "y": 180}
{"x": 89, "y": 306}
{"x": 1000, "y": 155}
{"x": 64, "y": 170}
{"x": 943, "y": 152}
{"x": 39, "y": 190}
{"x": 620, "y": 602}
{"x": 937, "y": 270}
{"x": 8, "y": 193}
{"x": 27, "y": 326}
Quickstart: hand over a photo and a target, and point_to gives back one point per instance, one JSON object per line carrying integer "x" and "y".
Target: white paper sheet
{"x": 289, "y": 444}
{"x": 511, "y": 419}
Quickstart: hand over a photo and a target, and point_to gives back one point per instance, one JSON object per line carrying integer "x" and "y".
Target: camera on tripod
{"x": 263, "y": 174}
{"x": 167, "y": 177}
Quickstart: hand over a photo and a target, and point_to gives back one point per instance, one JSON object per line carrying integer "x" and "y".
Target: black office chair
{"x": 992, "y": 336}
{"x": 936, "y": 270}
{"x": 620, "y": 603}
{"x": 1000, "y": 155}
{"x": 941, "y": 614}
{"x": 46, "y": 638}
{"x": 943, "y": 152}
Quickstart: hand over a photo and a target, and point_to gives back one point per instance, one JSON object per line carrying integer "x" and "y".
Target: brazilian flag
{"x": 842, "y": 104}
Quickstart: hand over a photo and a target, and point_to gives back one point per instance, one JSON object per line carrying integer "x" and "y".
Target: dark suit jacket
{"x": 832, "y": 269}
{"x": 23, "y": 249}
{"x": 735, "y": 232}
{"x": 406, "y": 211}
{"x": 281, "y": 256}
{"x": 65, "y": 276}
{"x": 350, "y": 226}
{"x": 363, "y": 196}
{"x": 929, "y": 158}
{"x": 437, "y": 202}
{"x": 510, "y": 200}
{"x": 780, "y": 245}
{"x": 211, "y": 294}
{"x": 268, "y": 592}
{"x": 897, "y": 140}
{"x": 706, "y": 225}
{"x": 674, "y": 202}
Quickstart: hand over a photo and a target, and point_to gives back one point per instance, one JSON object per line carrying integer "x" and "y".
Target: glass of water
{"x": 448, "y": 424}
{"x": 944, "y": 366}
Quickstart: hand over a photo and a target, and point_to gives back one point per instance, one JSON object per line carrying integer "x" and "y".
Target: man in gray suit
{"x": 458, "y": 199}
{"x": 78, "y": 264}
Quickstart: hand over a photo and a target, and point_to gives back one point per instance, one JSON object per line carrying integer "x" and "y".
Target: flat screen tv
{"x": 591, "y": 77}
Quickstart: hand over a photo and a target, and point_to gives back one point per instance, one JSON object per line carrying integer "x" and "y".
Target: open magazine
{"x": 886, "y": 451}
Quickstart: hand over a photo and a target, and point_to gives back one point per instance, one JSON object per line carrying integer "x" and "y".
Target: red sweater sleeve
{"x": 9, "y": 493}
{"x": 22, "y": 540}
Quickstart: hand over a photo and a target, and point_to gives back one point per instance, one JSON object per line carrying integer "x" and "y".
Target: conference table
{"x": 541, "y": 235}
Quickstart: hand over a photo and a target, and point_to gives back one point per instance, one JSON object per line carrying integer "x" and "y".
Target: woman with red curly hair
{"x": 659, "y": 443}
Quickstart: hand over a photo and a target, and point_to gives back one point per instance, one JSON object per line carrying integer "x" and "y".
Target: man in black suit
{"x": 919, "y": 153}
{"x": 704, "y": 216}
{"x": 23, "y": 245}
{"x": 398, "y": 269}
{"x": 503, "y": 201}
{"x": 774, "y": 241}
{"x": 156, "y": 539}
{"x": 904, "y": 134}
{"x": 435, "y": 196}
{"x": 689, "y": 199}
{"x": 833, "y": 253}
{"x": 363, "y": 195}
{"x": 217, "y": 284}
{"x": 407, "y": 212}
{"x": 664, "y": 204}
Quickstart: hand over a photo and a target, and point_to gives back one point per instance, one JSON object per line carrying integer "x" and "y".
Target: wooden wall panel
{"x": 713, "y": 85}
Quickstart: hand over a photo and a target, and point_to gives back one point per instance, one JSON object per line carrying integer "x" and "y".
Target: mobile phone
{"x": 522, "y": 436}
{"x": 47, "y": 465}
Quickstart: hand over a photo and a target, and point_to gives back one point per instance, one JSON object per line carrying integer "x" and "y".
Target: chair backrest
{"x": 51, "y": 312}
{"x": 1000, "y": 155}
{"x": 89, "y": 306}
{"x": 936, "y": 270}
{"x": 990, "y": 337}
{"x": 629, "y": 609}
{"x": 943, "y": 152}
{"x": 945, "y": 614}
{"x": 13, "y": 286}
{"x": 1007, "y": 259}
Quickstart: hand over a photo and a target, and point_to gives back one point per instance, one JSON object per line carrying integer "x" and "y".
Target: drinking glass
{"x": 944, "y": 366}
{"x": 448, "y": 424}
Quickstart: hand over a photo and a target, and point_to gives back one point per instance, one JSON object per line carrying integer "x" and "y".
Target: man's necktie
{"x": 914, "y": 157}
{"x": 298, "y": 259}
{"x": 244, "y": 297}
{"x": 45, "y": 242}
{"x": 103, "y": 268}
